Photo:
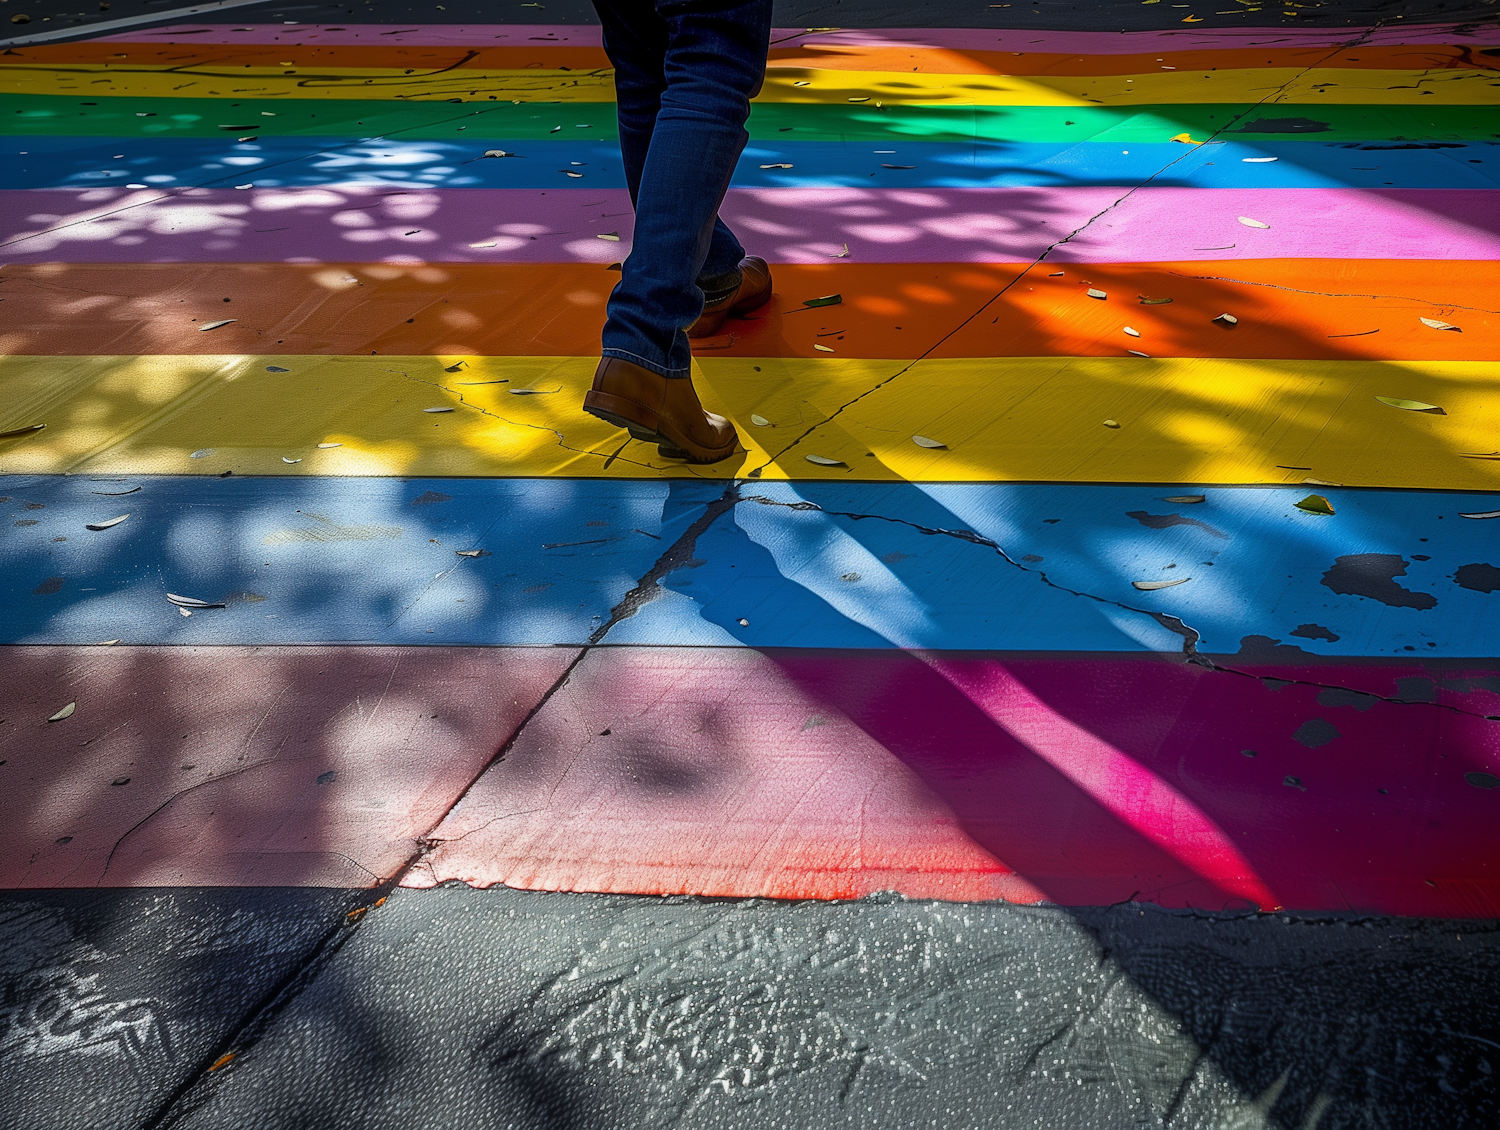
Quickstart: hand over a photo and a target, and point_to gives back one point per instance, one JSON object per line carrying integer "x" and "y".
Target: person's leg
{"x": 713, "y": 64}
{"x": 635, "y": 39}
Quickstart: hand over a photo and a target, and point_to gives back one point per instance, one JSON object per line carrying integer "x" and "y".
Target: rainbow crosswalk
{"x": 1016, "y": 590}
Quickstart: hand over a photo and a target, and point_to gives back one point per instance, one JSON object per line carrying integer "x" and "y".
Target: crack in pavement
{"x": 198, "y": 1088}
{"x": 1332, "y": 294}
{"x": 561, "y": 441}
{"x": 1190, "y": 636}
{"x": 756, "y": 472}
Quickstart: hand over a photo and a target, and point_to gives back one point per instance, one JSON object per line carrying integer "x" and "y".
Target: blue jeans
{"x": 685, "y": 71}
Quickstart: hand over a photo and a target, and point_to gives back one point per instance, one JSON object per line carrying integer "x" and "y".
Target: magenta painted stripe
{"x": 375, "y": 223}
{"x": 387, "y": 35}
{"x": 1082, "y": 780}
{"x": 956, "y": 39}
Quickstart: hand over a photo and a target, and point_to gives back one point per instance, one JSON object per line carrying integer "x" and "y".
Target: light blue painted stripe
{"x": 80, "y": 162}
{"x": 367, "y": 560}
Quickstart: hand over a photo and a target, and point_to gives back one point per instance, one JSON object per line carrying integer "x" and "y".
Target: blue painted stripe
{"x": 373, "y": 560}
{"x": 80, "y": 162}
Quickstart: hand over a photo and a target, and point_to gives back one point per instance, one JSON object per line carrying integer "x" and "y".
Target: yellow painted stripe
{"x": 1279, "y": 84}
{"x": 1024, "y": 418}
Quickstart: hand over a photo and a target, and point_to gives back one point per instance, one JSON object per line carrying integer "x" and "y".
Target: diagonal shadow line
{"x": 756, "y": 472}
{"x": 195, "y": 1089}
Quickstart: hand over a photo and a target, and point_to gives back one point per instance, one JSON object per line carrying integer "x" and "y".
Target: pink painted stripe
{"x": 787, "y": 225}
{"x": 956, "y": 39}
{"x": 805, "y": 774}
{"x": 229, "y": 766}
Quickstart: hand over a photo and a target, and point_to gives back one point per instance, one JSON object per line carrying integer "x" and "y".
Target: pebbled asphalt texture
{"x": 461, "y": 1008}
{"x": 112, "y": 1001}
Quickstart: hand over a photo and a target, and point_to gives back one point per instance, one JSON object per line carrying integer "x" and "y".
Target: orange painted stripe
{"x": 819, "y": 56}
{"x": 1288, "y": 308}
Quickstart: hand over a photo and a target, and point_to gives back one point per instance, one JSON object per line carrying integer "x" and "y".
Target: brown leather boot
{"x": 753, "y": 292}
{"x": 660, "y": 411}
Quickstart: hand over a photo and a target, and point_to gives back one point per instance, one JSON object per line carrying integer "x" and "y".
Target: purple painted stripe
{"x": 374, "y": 223}
{"x": 956, "y": 39}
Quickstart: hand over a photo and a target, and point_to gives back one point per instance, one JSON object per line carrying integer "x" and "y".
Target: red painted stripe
{"x": 1078, "y": 780}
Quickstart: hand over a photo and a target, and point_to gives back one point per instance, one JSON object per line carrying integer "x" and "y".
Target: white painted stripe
{"x": 126, "y": 22}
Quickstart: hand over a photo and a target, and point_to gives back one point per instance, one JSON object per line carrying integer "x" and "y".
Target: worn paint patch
{"x": 1373, "y": 575}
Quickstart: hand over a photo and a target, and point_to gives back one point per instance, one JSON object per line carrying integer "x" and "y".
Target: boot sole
{"x": 668, "y": 447}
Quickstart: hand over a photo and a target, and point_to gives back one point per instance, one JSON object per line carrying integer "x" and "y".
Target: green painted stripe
{"x": 50, "y": 115}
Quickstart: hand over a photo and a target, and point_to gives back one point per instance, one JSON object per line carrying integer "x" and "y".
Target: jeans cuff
{"x": 637, "y": 359}
{"x": 720, "y": 288}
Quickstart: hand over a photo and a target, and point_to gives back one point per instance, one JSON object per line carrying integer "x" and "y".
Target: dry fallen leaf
{"x": 1320, "y": 483}
{"x": 190, "y": 601}
{"x": 1186, "y": 139}
{"x": 1411, "y": 405}
{"x": 481, "y": 246}
{"x": 1132, "y": 331}
{"x": 105, "y": 524}
{"x": 287, "y": 459}
{"x": 1137, "y": 353}
{"x": 1152, "y": 586}
{"x": 826, "y": 300}
{"x": 472, "y": 552}
{"x": 202, "y": 453}
{"x": 844, "y": 254}
{"x": 1433, "y": 323}
{"x": 825, "y": 348}
{"x": 612, "y": 236}
{"x": 216, "y": 325}
{"x": 1249, "y": 223}
{"x": 26, "y": 431}
{"x": 443, "y": 408}
{"x": 533, "y": 391}
{"x": 276, "y": 369}
{"x": 865, "y": 98}
{"x": 1154, "y": 301}
{"x": 801, "y": 82}
{"x": 1185, "y": 499}
{"x": 759, "y": 421}
{"x": 455, "y": 367}
{"x": 1227, "y": 319}
{"x": 1111, "y": 423}
{"x": 1315, "y": 504}
{"x": 1258, "y": 160}
{"x": 326, "y": 446}
{"x": 571, "y": 173}
{"x": 782, "y": 165}
{"x": 1092, "y": 293}
{"x": 65, "y": 712}
{"x": 496, "y": 153}
{"x": 824, "y": 461}
{"x": 1485, "y": 514}
{"x": 923, "y": 441}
